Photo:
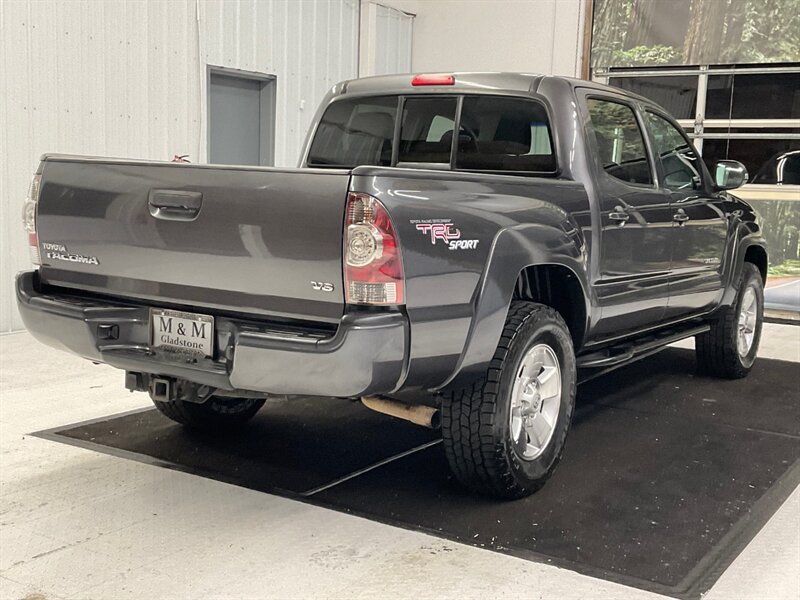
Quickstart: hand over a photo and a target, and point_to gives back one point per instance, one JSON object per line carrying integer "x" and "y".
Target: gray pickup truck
{"x": 460, "y": 250}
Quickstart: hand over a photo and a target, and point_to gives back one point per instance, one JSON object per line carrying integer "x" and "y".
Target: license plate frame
{"x": 182, "y": 332}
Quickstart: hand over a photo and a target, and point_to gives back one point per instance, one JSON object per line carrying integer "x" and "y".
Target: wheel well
{"x": 758, "y": 256}
{"x": 559, "y": 288}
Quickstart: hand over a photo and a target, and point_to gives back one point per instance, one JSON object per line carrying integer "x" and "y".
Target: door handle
{"x": 175, "y": 205}
{"x": 619, "y": 215}
{"x": 680, "y": 217}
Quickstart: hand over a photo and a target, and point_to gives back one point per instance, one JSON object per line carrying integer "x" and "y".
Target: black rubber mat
{"x": 292, "y": 448}
{"x": 666, "y": 476}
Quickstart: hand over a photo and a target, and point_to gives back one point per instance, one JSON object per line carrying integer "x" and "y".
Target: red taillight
{"x": 434, "y": 80}
{"x": 373, "y": 268}
{"x": 29, "y": 209}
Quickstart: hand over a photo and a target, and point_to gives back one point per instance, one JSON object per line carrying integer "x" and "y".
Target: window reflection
{"x": 679, "y": 160}
{"x": 753, "y": 96}
{"x": 619, "y": 141}
{"x": 677, "y": 94}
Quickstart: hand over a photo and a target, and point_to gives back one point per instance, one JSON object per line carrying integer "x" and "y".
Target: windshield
{"x": 495, "y": 134}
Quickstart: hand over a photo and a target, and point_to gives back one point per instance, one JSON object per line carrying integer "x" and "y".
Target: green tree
{"x": 638, "y": 32}
{"x": 703, "y": 41}
{"x": 610, "y": 23}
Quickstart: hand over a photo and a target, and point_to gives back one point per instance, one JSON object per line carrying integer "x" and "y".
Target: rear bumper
{"x": 366, "y": 355}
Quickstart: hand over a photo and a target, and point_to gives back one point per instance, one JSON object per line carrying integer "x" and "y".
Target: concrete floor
{"x": 78, "y": 524}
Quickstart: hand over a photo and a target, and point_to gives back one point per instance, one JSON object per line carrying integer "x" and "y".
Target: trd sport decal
{"x": 444, "y": 230}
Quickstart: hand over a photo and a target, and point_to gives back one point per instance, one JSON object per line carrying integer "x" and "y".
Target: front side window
{"x": 620, "y": 142}
{"x": 678, "y": 157}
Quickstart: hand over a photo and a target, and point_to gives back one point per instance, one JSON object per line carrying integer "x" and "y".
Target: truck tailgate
{"x": 250, "y": 240}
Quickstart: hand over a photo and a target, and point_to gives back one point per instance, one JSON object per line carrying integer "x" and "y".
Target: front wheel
{"x": 218, "y": 413}
{"x": 504, "y": 434}
{"x": 729, "y": 348}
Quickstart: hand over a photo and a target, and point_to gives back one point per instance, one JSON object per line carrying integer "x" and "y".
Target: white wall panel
{"x": 534, "y": 36}
{"x": 129, "y": 78}
{"x": 386, "y": 39}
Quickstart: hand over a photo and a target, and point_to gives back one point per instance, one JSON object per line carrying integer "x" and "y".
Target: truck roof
{"x": 471, "y": 82}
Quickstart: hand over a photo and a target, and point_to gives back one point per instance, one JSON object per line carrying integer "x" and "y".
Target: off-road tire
{"x": 215, "y": 413}
{"x": 716, "y": 350}
{"x": 475, "y": 418}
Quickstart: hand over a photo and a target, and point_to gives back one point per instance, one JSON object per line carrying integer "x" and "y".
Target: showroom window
{"x": 728, "y": 70}
{"x": 749, "y": 114}
{"x": 745, "y": 113}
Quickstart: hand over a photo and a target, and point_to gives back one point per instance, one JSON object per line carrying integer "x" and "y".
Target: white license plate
{"x": 182, "y": 332}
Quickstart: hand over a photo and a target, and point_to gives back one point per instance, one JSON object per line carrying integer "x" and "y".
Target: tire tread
{"x": 475, "y": 457}
{"x": 715, "y": 349}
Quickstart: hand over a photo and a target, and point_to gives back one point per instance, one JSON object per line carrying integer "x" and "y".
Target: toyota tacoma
{"x": 460, "y": 250}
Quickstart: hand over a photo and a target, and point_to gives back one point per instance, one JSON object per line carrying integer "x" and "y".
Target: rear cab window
{"x": 504, "y": 134}
{"x": 355, "y": 131}
{"x": 497, "y": 134}
{"x": 424, "y": 133}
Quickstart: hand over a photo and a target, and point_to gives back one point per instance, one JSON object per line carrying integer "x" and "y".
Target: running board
{"x": 616, "y": 356}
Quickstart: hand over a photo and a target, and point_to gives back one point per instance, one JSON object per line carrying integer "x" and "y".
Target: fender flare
{"x": 513, "y": 249}
{"x": 738, "y": 264}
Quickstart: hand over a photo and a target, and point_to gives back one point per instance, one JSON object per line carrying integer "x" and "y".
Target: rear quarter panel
{"x": 457, "y": 299}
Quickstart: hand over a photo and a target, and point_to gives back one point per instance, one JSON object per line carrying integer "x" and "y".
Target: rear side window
{"x": 504, "y": 134}
{"x": 355, "y": 132}
{"x": 620, "y": 142}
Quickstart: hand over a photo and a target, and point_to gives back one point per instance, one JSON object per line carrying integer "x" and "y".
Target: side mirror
{"x": 729, "y": 174}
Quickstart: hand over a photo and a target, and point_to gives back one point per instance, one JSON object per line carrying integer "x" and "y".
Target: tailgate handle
{"x": 175, "y": 205}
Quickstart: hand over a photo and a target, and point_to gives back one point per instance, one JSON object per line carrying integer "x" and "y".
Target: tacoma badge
{"x": 60, "y": 252}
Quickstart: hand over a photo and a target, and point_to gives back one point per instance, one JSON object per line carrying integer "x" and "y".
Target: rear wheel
{"x": 215, "y": 413}
{"x": 504, "y": 434}
{"x": 729, "y": 348}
